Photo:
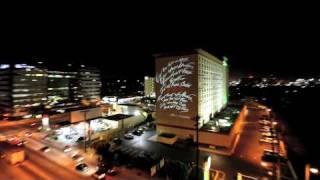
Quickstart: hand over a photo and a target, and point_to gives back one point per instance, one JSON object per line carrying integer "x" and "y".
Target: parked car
{"x": 117, "y": 141}
{"x": 269, "y": 140}
{"x": 80, "y": 139}
{"x": 128, "y": 136}
{"x": 28, "y": 134}
{"x": 81, "y": 167}
{"x": 269, "y": 134}
{"x": 137, "y": 132}
{"x": 100, "y": 174}
{"x": 77, "y": 157}
{"x": 67, "y": 148}
{"x": 112, "y": 171}
{"x": 45, "y": 149}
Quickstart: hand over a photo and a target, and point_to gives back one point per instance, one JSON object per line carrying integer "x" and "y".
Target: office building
{"x": 61, "y": 85}
{"x": 88, "y": 85}
{"x": 123, "y": 87}
{"x": 149, "y": 90}
{"x": 23, "y": 88}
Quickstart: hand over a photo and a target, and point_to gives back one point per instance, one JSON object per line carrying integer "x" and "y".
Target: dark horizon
{"x": 260, "y": 41}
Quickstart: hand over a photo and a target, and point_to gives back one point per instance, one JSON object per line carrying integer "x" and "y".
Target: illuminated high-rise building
{"x": 61, "y": 85}
{"x": 190, "y": 86}
{"x": 22, "y": 88}
{"x": 88, "y": 85}
{"x": 149, "y": 90}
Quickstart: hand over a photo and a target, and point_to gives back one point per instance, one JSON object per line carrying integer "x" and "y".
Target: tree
{"x": 176, "y": 170}
{"x": 193, "y": 173}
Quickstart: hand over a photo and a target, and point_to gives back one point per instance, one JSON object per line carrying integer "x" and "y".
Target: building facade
{"x": 149, "y": 90}
{"x": 22, "y": 88}
{"x": 61, "y": 86}
{"x": 123, "y": 87}
{"x": 190, "y": 86}
{"x": 88, "y": 85}
{"x": 26, "y": 89}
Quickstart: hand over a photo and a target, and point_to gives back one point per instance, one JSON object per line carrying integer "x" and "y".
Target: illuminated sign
{"x": 45, "y": 122}
{"x": 174, "y": 85}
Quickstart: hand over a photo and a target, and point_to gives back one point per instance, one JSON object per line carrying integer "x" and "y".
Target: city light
{"x": 314, "y": 170}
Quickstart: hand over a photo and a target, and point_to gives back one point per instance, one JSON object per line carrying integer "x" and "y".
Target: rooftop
{"x": 118, "y": 117}
{"x": 188, "y": 52}
{"x": 223, "y": 121}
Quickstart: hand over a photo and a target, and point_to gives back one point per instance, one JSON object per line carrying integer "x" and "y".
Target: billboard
{"x": 176, "y": 88}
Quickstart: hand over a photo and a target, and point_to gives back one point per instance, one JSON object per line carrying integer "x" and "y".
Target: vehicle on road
{"x": 266, "y": 123}
{"x": 100, "y": 174}
{"x": 128, "y": 136}
{"x": 28, "y": 134}
{"x": 67, "y": 148}
{"x": 137, "y": 132}
{"x": 16, "y": 140}
{"x": 82, "y": 167}
{"x": 117, "y": 141}
{"x": 269, "y": 140}
{"x": 268, "y": 134}
{"x": 112, "y": 171}
{"x": 77, "y": 157}
{"x": 45, "y": 149}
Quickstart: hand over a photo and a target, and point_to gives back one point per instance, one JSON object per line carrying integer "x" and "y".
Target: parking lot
{"x": 245, "y": 160}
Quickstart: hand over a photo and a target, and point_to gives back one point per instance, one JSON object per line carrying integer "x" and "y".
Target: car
{"x": 45, "y": 149}
{"x": 77, "y": 157}
{"x": 269, "y": 140}
{"x": 33, "y": 124}
{"x": 137, "y": 132}
{"x": 128, "y": 136}
{"x": 100, "y": 174}
{"x": 268, "y": 134}
{"x": 80, "y": 139}
{"x": 117, "y": 141}
{"x": 112, "y": 171}
{"x": 82, "y": 167}
{"x": 28, "y": 134}
{"x": 264, "y": 122}
{"x": 67, "y": 148}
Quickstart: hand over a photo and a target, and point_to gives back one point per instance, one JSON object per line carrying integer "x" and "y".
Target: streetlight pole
{"x": 197, "y": 152}
{"x": 85, "y": 130}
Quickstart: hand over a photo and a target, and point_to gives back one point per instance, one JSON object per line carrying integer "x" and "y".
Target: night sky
{"x": 282, "y": 40}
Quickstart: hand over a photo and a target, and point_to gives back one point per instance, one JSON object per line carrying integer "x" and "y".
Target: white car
{"x": 268, "y": 140}
{"x": 268, "y": 134}
{"x": 67, "y": 149}
{"x": 45, "y": 149}
{"x": 77, "y": 157}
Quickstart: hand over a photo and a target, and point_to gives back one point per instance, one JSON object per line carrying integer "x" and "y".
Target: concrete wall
{"x": 77, "y": 116}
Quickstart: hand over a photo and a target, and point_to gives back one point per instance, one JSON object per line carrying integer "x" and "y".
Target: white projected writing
{"x": 173, "y": 85}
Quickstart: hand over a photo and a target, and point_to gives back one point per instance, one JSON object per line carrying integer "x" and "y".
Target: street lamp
{"x": 309, "y": 171}
{"x": 314, "y": 170}
{"x": 85, "y": 129}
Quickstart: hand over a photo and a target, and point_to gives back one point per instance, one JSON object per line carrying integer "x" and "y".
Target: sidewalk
{"x": 6, "y": 123}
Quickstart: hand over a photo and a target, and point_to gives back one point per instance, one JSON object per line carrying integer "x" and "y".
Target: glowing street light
{"x": 314, "y": 170}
